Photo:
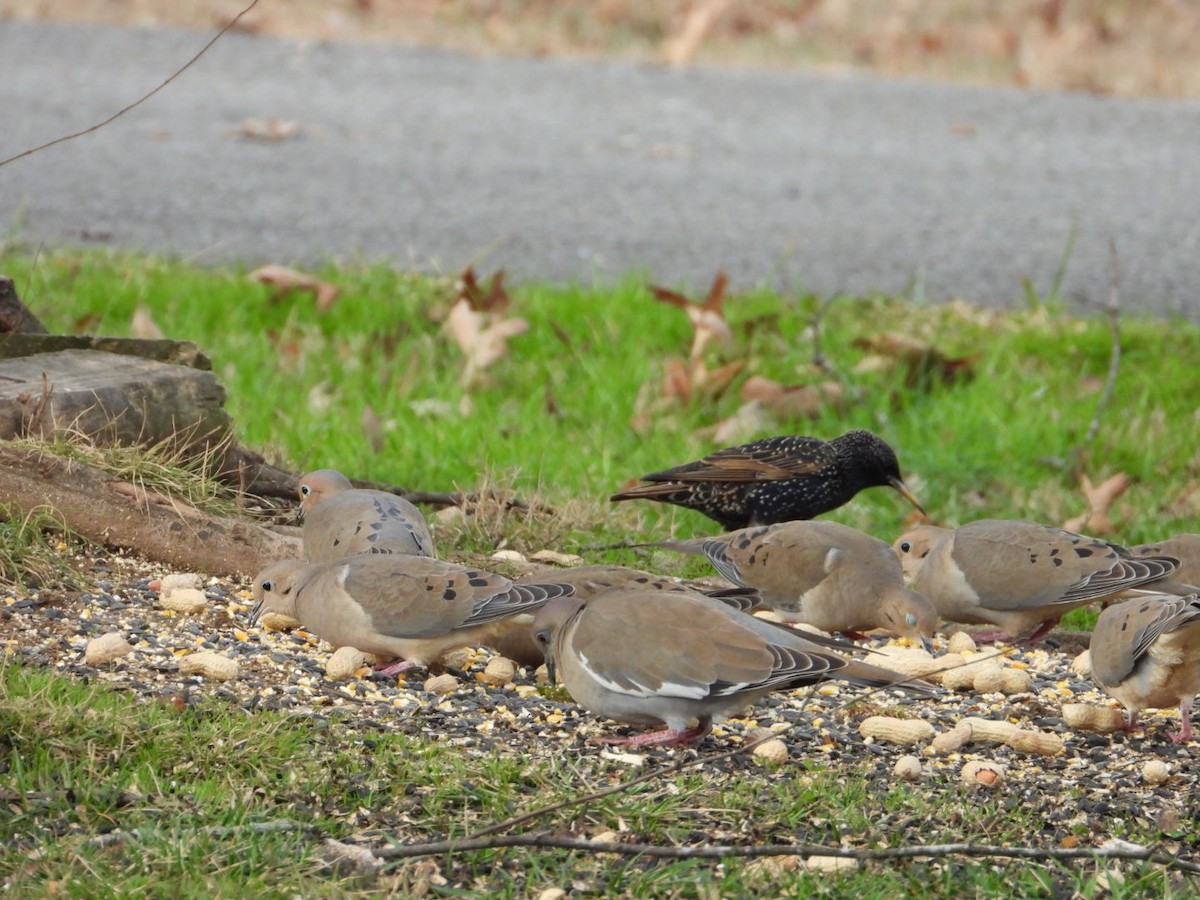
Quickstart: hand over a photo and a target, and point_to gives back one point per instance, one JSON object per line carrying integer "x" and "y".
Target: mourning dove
{"x": 409, "y": 607}
{"x": 824, "y": 574}
{"x": 341, "y": 520}
{"x": 680, "y": 660}
{"x": 1183, "y": 547}
{"x": 1146, "y": 653}
{"x": 588, "y": 581}
{"x": 776, "y": 479}
{"x": 1020, "y": 576}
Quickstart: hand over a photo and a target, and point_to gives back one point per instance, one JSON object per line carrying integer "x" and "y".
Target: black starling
{"x": 776, "y": 479}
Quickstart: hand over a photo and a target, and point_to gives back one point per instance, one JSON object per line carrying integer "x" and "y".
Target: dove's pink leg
{"x": 667, "y": 738}
{"x": 1185, "y": 716}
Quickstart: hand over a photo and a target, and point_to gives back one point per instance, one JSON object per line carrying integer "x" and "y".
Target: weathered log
{"x": 115, "y": 513}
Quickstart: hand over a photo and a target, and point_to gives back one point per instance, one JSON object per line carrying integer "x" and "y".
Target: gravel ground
{"x": 286, "y": 671}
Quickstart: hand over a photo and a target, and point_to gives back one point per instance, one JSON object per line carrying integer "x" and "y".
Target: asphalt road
{"x": 572, "y": 170}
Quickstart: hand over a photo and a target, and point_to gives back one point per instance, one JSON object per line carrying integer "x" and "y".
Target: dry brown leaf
{"x": 681, "y": 381}
{"x": 750, "y": 419}
{"x": 1097, "y": 520}
{"x": 285, "y": 280}
{"x": 495, "y": 299}
{"x": 144, "y": 327}
{"x": 922, "y": 363}
{"x": 797, "y": 401}
{"x": 269, "y": 129}
{"x": 677, "y": 381}
{"x": 481, "y": 340}
{"x": 372, "y": 428}
{"x": 85, "y": 323}
{"x": 714, "y": 382}
{"x": 707, "y": 318}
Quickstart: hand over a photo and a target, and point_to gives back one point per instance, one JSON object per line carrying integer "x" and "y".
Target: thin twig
{"x": 136, "y": 103}
{"x": 819, "y": 360}
{"x": 1119, "y": 850}
{"x": 1060, "y": 273}
{"x": 1113, "y": 311}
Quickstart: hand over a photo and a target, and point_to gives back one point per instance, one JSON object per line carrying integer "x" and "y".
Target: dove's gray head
{"x": 275, "y": 589}
{"x": 316, "y": 486}
{"x": 914, "y": 545}
{"x": 549, "y": 622}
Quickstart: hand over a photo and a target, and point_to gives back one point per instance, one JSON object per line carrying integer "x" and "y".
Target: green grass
{"x": 555, "y": 418}
{"x": 554, "y": 422}
{"x": 78, "y": 762}
{"x": 32, "y": 547}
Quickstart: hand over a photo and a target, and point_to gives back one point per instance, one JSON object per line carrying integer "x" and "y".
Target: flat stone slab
{"x": 110, "y": 398}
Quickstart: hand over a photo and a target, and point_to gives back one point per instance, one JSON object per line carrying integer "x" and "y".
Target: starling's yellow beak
{"x": 907, "y": 494}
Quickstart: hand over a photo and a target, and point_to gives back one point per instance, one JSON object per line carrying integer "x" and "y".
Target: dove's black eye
{"x": 542, "y": 637}
{"x": 305, "y": 490}
{"x": 905, "y": 546}
{"x": 268, "y": 586}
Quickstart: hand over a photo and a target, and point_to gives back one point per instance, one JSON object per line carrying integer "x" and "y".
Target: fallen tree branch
{"x": 1113, "y": 849}
{"x": 112, "y": 512}
{"x": 136, "y": 103}
{"x": 1110, "y": 850}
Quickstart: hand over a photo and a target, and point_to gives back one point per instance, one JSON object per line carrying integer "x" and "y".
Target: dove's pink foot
{"x": 854, "y": 635}
{"x": 997, "y": 634}
{"x": 990, "y": 637}
{"x": 667, "y": 738}
{"x": 396, "y": 668}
